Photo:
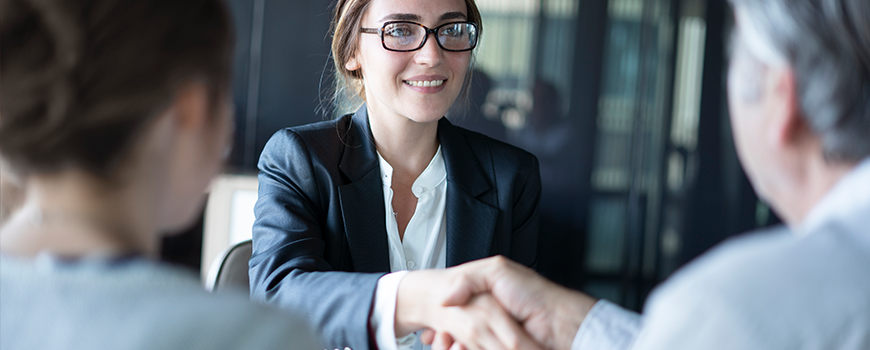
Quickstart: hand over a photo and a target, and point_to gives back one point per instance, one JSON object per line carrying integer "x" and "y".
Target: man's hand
{"x": 549, "y": 313}
{"x": 478, "y": 322}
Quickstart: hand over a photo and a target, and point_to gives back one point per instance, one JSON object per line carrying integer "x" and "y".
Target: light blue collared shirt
{"x": 777, "y": 289}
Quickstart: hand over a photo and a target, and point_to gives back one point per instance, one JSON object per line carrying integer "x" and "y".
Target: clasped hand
{"x": 489, "y": 304}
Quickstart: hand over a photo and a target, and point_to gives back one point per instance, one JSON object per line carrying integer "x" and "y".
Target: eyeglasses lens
{"x": 403, "y": 36}
{"x": 409, "y": 36}
{"x": 458, "y": 36}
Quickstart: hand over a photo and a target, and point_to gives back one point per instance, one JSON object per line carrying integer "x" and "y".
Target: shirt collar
{"x": 850, "y": 194}
{"x": 431, "y": 177}
{"x": 386, "y": 171}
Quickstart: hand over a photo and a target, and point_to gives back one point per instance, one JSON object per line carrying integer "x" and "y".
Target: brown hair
{"x": 345, "y": 29}
{"x": 81, "y": 78}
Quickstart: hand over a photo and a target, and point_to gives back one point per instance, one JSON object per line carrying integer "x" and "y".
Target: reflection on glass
{"x": 523, "y": 42}
{"x": 629, "y": 144}
{"x": 605, "y": 290}
{"x": 522, "y": 94}
{"x": 687, "y": 83}
{"x": 606, "y": 235}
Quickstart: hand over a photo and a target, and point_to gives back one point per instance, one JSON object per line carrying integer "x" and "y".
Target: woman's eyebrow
{"x": 417, "y": 18}
{"x": 452, "y": 15}
{"x": 401, "y": 17}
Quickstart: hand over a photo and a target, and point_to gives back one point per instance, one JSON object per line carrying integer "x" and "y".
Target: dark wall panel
{"x": 295, "y": 49}
{"x": 242, "y": 12}
{"x": 281, "y": 51}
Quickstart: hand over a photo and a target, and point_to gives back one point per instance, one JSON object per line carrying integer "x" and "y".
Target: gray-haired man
{"x": 799, "y": 95}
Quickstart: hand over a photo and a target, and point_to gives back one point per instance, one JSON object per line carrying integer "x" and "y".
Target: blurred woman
{"x": 392, "y": 187}
{"x": 115, "y": 117}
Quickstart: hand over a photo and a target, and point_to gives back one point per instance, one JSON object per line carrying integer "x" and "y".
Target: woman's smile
{"x": 426, "y": 83}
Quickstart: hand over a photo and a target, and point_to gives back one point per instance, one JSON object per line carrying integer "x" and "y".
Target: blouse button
{"x": 411, "y": 264}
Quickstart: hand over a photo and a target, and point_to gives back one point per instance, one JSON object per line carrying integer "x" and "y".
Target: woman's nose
{"x": 430, "y": 54}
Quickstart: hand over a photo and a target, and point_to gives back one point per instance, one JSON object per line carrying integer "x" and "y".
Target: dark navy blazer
{"x": 320, "y": 240}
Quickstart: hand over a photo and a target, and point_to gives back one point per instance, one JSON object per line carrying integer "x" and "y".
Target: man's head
{"x": 799, "y": 94}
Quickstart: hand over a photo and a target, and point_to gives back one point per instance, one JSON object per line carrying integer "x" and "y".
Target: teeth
{"x": 424, "y": 83}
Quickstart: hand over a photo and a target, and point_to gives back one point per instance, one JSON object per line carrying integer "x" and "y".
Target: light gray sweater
{"x": 49, "y": 303}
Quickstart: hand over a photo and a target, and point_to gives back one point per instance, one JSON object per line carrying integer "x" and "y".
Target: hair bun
{"x": 81, "y": 77}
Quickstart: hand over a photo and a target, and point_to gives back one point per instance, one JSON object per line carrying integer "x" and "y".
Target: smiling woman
{"x": 346, "y": 206}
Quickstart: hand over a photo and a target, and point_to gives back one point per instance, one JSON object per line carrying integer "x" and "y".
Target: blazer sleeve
{"x": 287, "y": 267}
{"x": 525, "y": 218}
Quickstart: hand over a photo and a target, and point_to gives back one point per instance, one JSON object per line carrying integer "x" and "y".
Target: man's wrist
{"x": 569, "y": 312}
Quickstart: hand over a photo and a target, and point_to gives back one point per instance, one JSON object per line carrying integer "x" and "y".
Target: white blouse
{"x": 423, "y": 247}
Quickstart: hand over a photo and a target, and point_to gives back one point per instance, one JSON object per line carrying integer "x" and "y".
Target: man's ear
{"x": 783, "y": 107}
{"x": 191, "y": 106}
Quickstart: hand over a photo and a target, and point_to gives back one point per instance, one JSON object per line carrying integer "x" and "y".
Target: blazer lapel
{"x": 470, "y": 221}
{"x": 362, "y": 200}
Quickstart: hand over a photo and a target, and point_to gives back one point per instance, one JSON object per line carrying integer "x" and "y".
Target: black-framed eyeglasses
{"x": 403, "y": 36}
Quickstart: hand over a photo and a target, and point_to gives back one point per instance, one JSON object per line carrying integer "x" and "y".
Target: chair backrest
{"x": 230, "y": 269}
{"x": 229, "y": 216}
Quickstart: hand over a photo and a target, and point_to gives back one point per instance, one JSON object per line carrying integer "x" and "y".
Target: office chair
{"x": 230, "y": 269}
{"x": 229, "y": 216}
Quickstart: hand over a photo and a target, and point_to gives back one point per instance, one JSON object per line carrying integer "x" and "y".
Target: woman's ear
{"x": 352, "y": 64}
{"x": 191, "y": 105}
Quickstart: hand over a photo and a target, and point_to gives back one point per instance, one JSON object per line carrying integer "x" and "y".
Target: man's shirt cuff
{"x": 607, "y": 326}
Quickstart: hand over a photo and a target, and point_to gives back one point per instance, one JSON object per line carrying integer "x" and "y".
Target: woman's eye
{"x": 398, "y": 32}
{"x": 451, "y": 32}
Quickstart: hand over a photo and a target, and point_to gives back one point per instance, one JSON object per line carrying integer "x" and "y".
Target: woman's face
{"x": 196, "y": 159}
{"x": 394, "y": 81}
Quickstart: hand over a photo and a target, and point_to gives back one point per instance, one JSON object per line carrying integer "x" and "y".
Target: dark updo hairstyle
{"x": 82, "y": 78}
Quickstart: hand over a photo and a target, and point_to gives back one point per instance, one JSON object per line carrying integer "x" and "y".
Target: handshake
{"x": 492, "y": 303}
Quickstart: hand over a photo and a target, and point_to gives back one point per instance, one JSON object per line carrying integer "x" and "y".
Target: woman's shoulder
{"x": 320, "y": 139}
{"x": 503, "y": 152}
{"x": 326, "y": 129}
{"x": 322, "y": 126}
{"x": 155, "y": 299}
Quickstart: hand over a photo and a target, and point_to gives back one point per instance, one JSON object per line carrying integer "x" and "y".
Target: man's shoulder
{"x": 772, "y": 286}
{"x": 722, "y": 272}
{"x": 732, "y": 257}
{"x": 760, "y": 261}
